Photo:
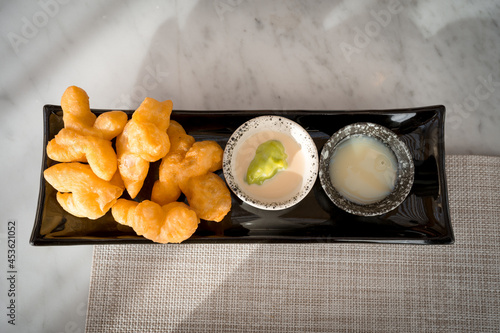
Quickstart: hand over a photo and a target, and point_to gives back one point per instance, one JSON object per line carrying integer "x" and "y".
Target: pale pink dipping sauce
{"x": 286, "y": 183}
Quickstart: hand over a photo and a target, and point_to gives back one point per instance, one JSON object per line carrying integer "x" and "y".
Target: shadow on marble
{"x": 281, "y": 57}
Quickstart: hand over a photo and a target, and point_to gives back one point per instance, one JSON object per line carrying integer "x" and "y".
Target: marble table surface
{"x": 221, "y": 54}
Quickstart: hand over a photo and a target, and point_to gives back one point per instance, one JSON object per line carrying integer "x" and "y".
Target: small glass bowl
{"x": 277, "y": 124}
{"x": 405, "y": 172}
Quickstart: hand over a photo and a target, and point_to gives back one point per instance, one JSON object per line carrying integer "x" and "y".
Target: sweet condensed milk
{"x": 363, "y": 169}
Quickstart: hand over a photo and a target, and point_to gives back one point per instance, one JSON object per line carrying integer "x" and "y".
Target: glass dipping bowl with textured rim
{"x": 405, "y": 170}
{"x": 278, "y": 124}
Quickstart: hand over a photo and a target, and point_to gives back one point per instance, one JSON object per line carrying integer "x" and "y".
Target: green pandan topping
{"x": 270, "y": 158}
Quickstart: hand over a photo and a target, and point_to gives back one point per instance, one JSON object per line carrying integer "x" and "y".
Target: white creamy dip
{"x": 363, "y": 169}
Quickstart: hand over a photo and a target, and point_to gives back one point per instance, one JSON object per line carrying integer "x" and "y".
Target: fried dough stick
{"x": 201, "y": 158}
{"x": 208, "y": 196}
{"x": 78, "y": 117}
{"x": 171, "y": 223}
{"x": 181, "y": 165}
{"x": 85, "y": 137}
{"x": 186, "y": 167}
{"x": 166, "y": 188}
{"x": 143, "y": 140}
{"x": 70, "y": 146}
{"x": 80, "y": 192}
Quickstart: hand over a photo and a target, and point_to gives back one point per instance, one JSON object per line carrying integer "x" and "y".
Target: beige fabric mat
{"x": 315, "y": 287}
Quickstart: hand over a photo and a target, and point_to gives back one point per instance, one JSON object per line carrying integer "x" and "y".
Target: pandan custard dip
{"x": 269, "y": 165}
{"x": 270, "y": 162}
{"x": 270, "y": 158}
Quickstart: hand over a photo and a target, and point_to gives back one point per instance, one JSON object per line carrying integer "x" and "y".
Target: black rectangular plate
{"x": 423, "y": 218}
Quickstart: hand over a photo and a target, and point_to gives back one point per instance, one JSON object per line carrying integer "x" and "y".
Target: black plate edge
{"x": 235, "y": 240}
{"x": 34, "y": 240}
{"x": 441, "y": 111}
{"x": 437, "y": 107}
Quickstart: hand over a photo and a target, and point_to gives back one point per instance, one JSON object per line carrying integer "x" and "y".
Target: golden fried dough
{"x": 85, "y": 137}
{"x": 82, "y": 205}
{"x": 110, "y": 124}
{"x": 202, "y": 157}
{"x": 208, "y": 196}
{"x": 77, "y": 116}
{"x": 76, "y": 109}
{"x": 185, "y": 160}
{"x": 90, "y": 190}
{"x": 172, "y": 223}
{"x": 180, "y": 142}
{"x": 166, "y": 188}
{"x": 152, "y": 111}
{"x": 121, "y": 210}
{"x": 144, "y": 139}
{"x": 181, "y": 222}
{"x": 69, "y": 146}
{"x": 82, "y": 193}
{"x": 133, "y": 170}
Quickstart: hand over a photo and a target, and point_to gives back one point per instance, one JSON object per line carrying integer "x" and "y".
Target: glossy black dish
{"x": 403, "y": 161}
{"x": 423, "y": 218}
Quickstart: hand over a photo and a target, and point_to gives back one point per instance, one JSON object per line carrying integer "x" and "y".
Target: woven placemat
{"x": 314, "y": 287}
